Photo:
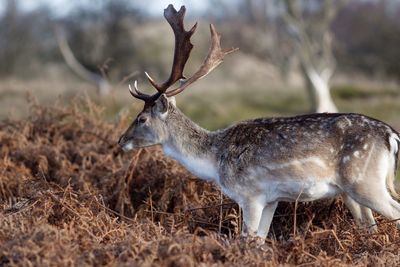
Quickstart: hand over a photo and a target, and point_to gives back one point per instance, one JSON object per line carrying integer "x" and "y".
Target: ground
{"x": 70, "y": 196}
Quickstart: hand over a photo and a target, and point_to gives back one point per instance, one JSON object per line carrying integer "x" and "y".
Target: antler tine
{"x": 137, "y": 94}
{"x": 182, "y": 50}
{"x": 214, "y": 58}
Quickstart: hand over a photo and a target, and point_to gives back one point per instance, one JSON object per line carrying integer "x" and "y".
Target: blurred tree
{"x": 260, "y": 27}
{"x": 252, "y": 25}
{"x": 9, "y": 30}
{"x": 368, "y": 35}
{"x": 17, "y": 38}
{"x": 308, "y": 24}
{"x": 102, "y": 84}
{"x": 104, "y": 35}
{"x": 23, "y": 39}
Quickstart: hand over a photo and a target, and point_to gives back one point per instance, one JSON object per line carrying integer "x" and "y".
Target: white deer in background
{"x": 261, "y": 162}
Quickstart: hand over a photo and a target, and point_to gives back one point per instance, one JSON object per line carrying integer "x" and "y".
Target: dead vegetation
{"x": 69, "y": 196}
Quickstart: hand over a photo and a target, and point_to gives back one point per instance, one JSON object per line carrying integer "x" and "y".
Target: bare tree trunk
{"x": 313, "y": 44}
{"x": 103, "y": 86}
{"x": 322, "y": 92}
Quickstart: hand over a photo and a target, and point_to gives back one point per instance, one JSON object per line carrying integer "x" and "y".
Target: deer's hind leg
{"x": 370, "y": 189}
{"x": 368, "y": 219}
{"x": 382, "y": 203}
{"x": 361, "y": 214}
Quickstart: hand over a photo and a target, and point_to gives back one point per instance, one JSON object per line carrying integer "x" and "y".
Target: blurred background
{"x": 295, "y": 57}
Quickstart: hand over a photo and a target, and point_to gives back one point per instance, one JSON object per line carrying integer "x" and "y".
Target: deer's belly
{"x": 303, "y": 181}
{"x": 310, "y": 168}
{"x": 267, "y": 191}
{"x": 306, "y": 190}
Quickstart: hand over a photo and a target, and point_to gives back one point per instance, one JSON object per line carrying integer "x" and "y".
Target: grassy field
{"x": 69, "y": 196}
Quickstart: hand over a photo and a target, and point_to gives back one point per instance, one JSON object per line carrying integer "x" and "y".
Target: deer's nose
{"x": 121, "y": 140}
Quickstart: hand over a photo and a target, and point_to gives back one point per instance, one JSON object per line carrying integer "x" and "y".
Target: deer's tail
{"x": 394, "y": 142}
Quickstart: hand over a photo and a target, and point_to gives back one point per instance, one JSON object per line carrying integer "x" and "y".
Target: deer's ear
{"x": 161, "y": 105}
{"x": 172, "y": 100}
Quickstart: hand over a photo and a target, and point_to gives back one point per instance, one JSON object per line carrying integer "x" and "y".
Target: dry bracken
{"x": 69, "y": 196}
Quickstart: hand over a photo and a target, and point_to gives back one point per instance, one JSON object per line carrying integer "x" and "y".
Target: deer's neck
{"x": 191, "y": 145}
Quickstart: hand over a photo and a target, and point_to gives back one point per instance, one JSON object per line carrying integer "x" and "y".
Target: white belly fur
{"x": 290, "y": 191}
{"x": 308, "y": 190}
{"x": 271, "y": 189}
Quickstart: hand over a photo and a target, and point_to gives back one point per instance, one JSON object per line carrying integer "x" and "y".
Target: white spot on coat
{"x": 349, "y": 121}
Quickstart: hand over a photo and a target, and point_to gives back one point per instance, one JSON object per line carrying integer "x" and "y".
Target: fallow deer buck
{"x": 260, "y": 162}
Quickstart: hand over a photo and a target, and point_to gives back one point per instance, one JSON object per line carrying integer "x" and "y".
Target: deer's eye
{"x": 142, "y": 120}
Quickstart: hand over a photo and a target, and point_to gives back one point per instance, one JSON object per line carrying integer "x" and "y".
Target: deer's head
{"x": 150, "y": 126}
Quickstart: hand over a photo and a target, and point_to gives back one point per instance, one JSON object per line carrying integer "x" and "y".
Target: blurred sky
{"x": 62, "y": 7}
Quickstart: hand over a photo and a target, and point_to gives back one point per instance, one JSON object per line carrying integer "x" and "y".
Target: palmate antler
{"x": 182, "y": 51}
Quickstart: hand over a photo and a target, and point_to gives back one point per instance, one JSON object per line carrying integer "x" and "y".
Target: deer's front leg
{"x": 252, "y": 212}
{"x": 266, "y": 219}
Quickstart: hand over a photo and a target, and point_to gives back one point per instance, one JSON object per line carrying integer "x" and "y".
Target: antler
{"x": 214, "y": 58}
{"x": 182, "y": 51}
{"x": 183, "y": 47}
{"x": 137, "y": 94}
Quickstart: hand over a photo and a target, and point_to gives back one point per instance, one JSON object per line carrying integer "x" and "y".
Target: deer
{"x": 261, "y": 162}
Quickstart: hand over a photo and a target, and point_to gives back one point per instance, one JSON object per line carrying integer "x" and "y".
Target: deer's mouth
{"x": 127, "y": 146}
{"x": 132, "y": 144}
